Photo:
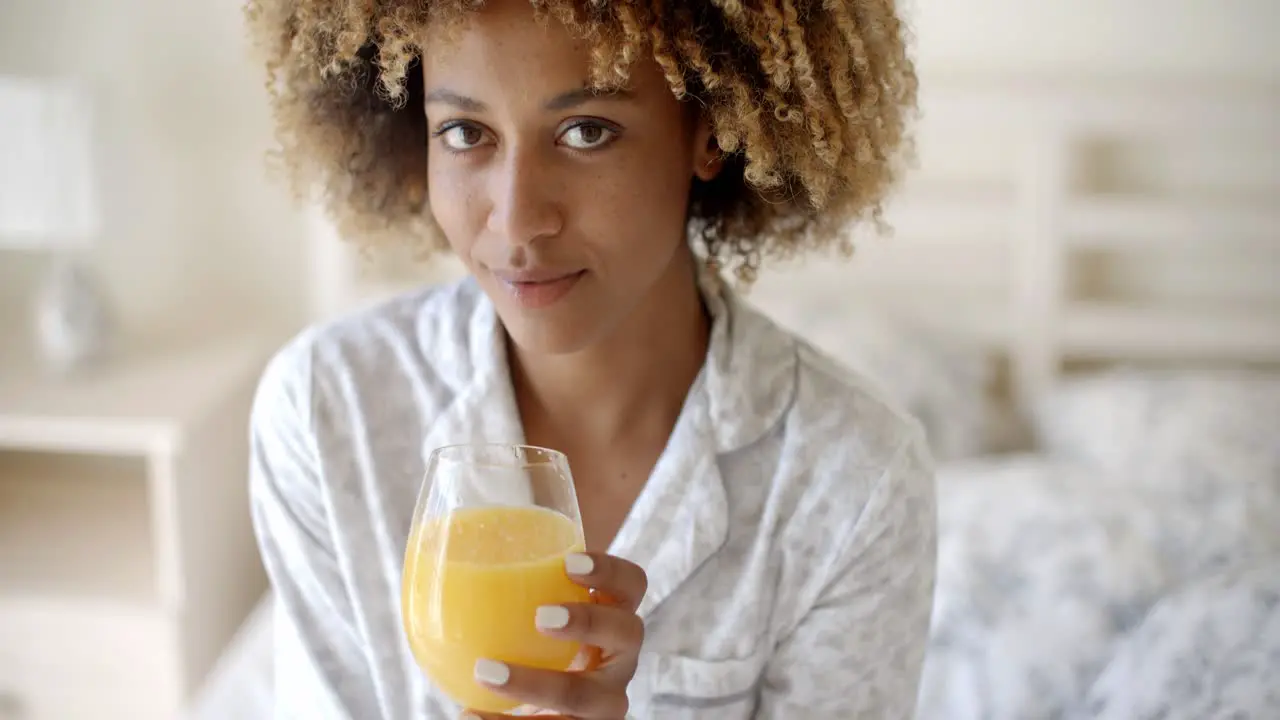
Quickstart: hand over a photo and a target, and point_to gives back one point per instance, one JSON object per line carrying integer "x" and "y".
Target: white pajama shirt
{"x": 788, "y": 528}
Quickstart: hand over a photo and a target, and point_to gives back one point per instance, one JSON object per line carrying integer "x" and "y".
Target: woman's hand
{"x": 610, "y": 629}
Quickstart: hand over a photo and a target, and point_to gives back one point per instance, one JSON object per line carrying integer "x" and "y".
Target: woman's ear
{"x": 707, "y": 157}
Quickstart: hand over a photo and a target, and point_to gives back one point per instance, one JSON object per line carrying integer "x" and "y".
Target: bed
{"x": 1088, "y": 325}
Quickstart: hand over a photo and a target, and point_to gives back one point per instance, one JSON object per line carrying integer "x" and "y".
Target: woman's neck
{"x": 627, "y": 387}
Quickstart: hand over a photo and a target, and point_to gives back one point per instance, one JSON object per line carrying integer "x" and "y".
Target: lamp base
{"x": 74, "y": 327}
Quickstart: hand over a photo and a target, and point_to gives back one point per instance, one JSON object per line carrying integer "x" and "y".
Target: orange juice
{"x": 472, "y": 582}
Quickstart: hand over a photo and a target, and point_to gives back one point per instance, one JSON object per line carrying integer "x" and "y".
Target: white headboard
{"x": 1060, "y": 222}
{"x": 1053, "y": 220}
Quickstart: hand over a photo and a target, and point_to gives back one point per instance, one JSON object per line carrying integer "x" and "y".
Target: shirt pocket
{"x": 684, "y": 688}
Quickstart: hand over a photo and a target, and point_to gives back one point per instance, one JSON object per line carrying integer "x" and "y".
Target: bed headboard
{"x": 1067, "y": 222}
{"x": 1056, "y": 221}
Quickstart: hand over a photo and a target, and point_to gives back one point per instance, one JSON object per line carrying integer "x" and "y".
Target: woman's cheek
{"x": 457, "y": 204}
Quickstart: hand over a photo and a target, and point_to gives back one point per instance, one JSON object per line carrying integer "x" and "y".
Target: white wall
{"x": 1082, "y": 36}
{"x": 194, "y": 227}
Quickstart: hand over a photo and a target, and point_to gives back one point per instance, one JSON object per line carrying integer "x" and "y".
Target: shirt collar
{"x": 746, "y": 383}
{"x": 748, "y": 380}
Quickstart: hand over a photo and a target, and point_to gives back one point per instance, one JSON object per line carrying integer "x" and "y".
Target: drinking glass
{"x": 490, "y": 532}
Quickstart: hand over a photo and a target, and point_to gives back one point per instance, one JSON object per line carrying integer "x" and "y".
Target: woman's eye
{"x": 462, "y": 137}
{"x": 587, "y": 136}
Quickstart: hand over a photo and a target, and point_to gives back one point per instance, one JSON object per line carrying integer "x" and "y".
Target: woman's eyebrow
{"x": 449, "y": 97}
{"x": 574, "y": 98}
{"x": 563, "y": 101}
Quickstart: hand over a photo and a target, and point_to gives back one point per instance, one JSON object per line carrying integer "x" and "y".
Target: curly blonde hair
{"x": 809, "y": 100}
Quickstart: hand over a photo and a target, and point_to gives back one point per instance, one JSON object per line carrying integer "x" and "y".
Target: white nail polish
{"x": 492, "y": 672}
{"x": 578, "y": 564}
{"x": 551, "y": 617}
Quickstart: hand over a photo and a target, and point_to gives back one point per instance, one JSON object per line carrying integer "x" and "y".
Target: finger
{"x": 579, "y": 695}
{"x": 623, "y": 581}
{"x": 614, "y": 630}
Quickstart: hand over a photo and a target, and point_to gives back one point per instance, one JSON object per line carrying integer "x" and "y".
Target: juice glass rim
{"x": 475, "y": 452}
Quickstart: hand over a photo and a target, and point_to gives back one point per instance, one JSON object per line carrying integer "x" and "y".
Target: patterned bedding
{"x": 1208, "y": 650}
{"x": 1066, "y": 593}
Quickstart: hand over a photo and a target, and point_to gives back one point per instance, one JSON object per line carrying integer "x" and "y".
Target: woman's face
{"x": 568, "y": 207}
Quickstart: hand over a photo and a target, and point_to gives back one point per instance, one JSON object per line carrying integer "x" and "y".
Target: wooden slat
{"x": 1109, "y": 332}
{"x": 1127, "y": 222}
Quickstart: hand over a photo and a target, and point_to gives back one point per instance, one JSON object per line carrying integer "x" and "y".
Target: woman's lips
{"x": 534, "y": 291}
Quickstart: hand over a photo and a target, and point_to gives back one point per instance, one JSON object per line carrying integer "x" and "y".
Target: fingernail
{"x": 469, "y": 716}
{"x": 578, "y": 564}
{"x": 551, "y": 617}
{"x": 492, "y": 672}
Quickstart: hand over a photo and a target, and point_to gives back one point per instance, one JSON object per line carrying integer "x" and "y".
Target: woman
{"x": 763, "y": 519}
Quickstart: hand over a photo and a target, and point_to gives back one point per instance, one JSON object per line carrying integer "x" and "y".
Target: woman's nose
{"x": 524, "y": 203}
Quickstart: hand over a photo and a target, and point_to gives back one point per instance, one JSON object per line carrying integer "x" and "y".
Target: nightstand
{"x": 127, "y": 558}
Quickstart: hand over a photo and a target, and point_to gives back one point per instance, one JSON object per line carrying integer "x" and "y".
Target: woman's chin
{"x": 549, "y": 333}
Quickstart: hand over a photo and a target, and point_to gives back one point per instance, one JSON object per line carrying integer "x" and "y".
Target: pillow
{"x": 1206, "y": 442}
{"x": 1197, "y": 434}
{"x": 943, "y": 381}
